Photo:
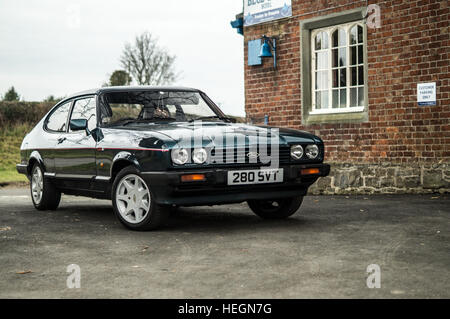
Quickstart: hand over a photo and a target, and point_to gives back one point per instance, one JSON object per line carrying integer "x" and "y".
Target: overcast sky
{"x": 46, "y": 48}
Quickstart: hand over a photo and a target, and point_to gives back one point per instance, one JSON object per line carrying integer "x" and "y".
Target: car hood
{"x": 206, "y": 133}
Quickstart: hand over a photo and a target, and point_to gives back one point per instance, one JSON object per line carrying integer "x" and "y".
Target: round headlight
{"x": 296, "y": 152}
{"x": 180, "y": 156}
{"x": 312, "y": 151}
{"x": 199, "y": 155}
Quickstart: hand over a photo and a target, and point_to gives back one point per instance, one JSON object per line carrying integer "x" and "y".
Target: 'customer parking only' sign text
{"x": 426, "y": 94}
{"x": 258, "y": 11}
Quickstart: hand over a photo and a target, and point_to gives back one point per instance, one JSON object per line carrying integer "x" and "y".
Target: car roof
{"x": 131, "y": 88}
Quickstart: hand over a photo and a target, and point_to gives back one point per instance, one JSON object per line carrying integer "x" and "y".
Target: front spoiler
{"x": 168, "y": 189}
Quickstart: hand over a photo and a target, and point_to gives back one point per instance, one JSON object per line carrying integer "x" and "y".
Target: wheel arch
{"x": 122, "y": 160}
{"x": 35, "y": 157}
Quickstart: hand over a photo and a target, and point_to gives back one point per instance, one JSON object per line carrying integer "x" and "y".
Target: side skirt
{"x": 93, "y": 187}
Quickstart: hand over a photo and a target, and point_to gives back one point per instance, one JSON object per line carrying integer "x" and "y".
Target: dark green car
{"x": 150, "y": 149}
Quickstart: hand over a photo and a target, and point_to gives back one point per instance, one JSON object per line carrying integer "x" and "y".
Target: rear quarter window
{"x": 57, "y": 120}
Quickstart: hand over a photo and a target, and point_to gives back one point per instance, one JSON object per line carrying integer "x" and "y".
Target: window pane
{"x": 360, "y": 75}
{"x": 318, "y": 101}
{"x": 57, "y": 121}
{"x": 360, "y": 55}
{"x": 321, "y": 41}
{"x": 353, "y": 35}
{"x": 335, "y": 99}
{"x": 324, "y": 40}
{"x": 342, "y": 57}
{"x": 321, "y": 60}
{"x": 321, "y": 80}
{"x": 353, "y": 75}
{"x": 335, "y": 38}
{"x": 321, "y": 100}
{"x": 85, "y": 109}
{"x": 324, "y": 98}
{"x": 353, "y": 60}
{"x": 343, "y": 99}
{"x": 335, "y": 78}
{"x": 335, "y": 58}
{"x": 343, "y": 77}
{"x": 318, "y": 42}
{"x": 342, "y": 38}
{"x": 360, "y": 34}
{"x": 361, "y": 96}
{"x": 353, "y": 97}
{"x": 339, "y": 38}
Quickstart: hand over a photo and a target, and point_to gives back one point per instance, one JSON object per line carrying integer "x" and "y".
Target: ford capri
{"x": 153, "y": 149}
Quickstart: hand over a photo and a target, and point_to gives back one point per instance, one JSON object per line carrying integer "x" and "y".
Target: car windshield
{"x": 134, "y": 107}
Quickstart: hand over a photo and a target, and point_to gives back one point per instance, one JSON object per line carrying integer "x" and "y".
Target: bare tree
{"x": 148, "y": 63}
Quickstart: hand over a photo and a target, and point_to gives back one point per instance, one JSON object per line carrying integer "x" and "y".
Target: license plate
{"x": 255, "y": 176}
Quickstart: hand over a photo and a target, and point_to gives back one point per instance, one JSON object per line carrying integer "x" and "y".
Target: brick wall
{"x": 412, "y": 46}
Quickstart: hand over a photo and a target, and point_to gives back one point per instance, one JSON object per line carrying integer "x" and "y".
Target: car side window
{"x": 85, "y": 109}
{"x": 58, "y": 119}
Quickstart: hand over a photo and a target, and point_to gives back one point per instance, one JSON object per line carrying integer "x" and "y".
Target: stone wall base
{"x": 384, "y": 178}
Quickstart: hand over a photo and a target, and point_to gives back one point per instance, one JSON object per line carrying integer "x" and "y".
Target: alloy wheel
{"x": 37, "y": 185}
{"x": 133, "y": 198}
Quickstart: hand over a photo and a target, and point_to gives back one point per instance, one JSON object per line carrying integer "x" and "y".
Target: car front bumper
{"x": 22, "y": 169}
{"x": 168, "y": 189}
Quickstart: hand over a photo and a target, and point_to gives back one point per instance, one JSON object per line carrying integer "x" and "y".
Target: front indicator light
{"x": 193, "y": 178}
{"x": 310, "y": 171}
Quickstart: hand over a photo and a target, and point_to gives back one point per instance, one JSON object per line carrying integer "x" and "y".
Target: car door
{"x": 75, "y": 150}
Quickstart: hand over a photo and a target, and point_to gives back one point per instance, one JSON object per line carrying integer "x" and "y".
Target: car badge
{"x": 252, "y": 155}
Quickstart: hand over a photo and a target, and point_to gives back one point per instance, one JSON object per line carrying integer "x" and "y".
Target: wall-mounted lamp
{"x": 267, "y": 48}
{"x": 238, "y": 24}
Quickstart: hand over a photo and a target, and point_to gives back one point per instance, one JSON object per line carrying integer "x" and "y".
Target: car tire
{"x": 133, "y": 202}
{"x": 275, "y": 208}
{"x": 44, "y": 194}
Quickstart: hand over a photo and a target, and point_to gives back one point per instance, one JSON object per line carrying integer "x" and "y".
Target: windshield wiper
{"x": 152, "y": 120}
{"x": 226, "y": 119}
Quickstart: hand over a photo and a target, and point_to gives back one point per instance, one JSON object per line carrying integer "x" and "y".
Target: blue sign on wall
{"x": 254, "y": 48}
{"x": 259, "y": 11}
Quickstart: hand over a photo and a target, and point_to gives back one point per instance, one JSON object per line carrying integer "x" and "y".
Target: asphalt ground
{"x": 227, "y": 252}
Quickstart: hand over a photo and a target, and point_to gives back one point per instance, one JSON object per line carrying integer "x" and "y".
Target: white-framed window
{"x": 338, "y": 69}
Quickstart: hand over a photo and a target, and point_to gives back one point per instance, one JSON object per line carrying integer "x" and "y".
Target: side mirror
{"x": 79, "y": 125}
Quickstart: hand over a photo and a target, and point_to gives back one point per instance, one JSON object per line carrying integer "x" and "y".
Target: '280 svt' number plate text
{"x": 255, "y": 176}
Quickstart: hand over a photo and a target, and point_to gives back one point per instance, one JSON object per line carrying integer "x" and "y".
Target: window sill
{"x": 338, "y": 111}
{"x": 355, "y": 115}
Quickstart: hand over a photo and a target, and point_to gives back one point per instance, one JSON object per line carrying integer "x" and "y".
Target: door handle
{"x": 61, "y": 139}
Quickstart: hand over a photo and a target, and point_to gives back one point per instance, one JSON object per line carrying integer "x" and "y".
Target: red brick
{"x": 411, "y": 47}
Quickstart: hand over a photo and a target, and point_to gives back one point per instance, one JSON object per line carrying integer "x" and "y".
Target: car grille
{"x": 241, "y": 156}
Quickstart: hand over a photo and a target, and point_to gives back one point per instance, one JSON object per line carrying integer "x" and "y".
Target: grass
{"x": 11, "y": 176}
{"x": 10, "y": 141}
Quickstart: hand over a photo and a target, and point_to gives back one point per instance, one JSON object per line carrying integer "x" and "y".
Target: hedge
{"x": 14, "y": 113}
{"x": 30, "y": 113}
